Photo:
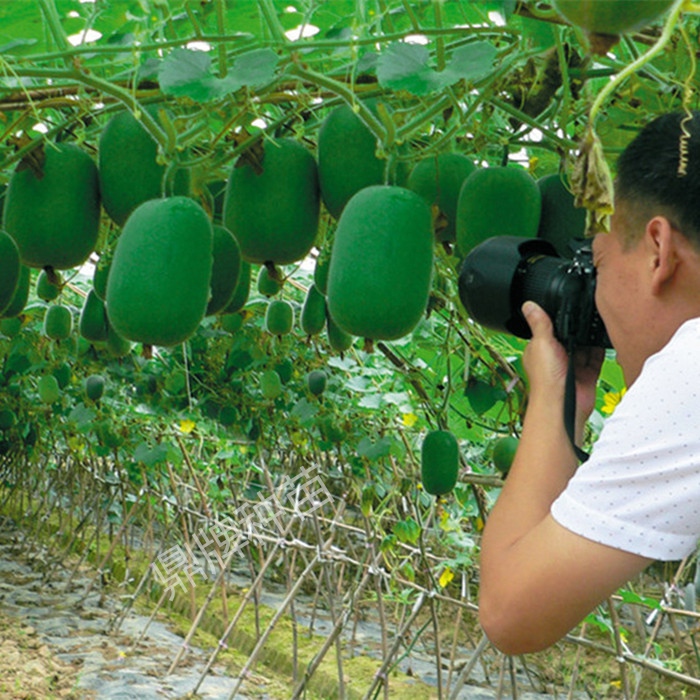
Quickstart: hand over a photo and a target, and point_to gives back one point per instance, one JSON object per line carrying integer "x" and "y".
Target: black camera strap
{"x": 570, "y": 407}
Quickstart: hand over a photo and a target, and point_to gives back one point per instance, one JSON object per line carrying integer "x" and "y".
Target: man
{"x": 560, "y": 540}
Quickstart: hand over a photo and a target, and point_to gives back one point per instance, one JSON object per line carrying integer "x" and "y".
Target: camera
{"x": 500, "y": 274}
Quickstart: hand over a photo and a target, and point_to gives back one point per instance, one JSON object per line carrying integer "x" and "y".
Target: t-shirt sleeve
{"x": 640, "y": 489}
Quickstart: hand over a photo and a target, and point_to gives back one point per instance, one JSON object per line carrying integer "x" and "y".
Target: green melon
{"x": 272, "y": 209}
{"x": 313, "y": 312}
{"x": 116, "y": 345}
{"x": 338, "y": 339}
{"x": 241, "y": 292}
{"x": 316, "y": 381}
{"x": 47, "y": 289}
{"x": 225, "y": 270}
{"x": 21, "y": 295}
{"x": 323, "y": 263}
{"x": 9, "y": 270}
{"x": 99, "y": 277}
{"x": 438, "y": 179}
{"x": 10, "y": 327}
{"x": 159, "y": 282}
{"x": 58, "y": 322}
{"x": 95, "y": 387}
{"x": 497, "y": 201}
{"x": 347, "y": 160}
{"x": 8, "y": 418}
{"x": 270, "y": 384}
{"x": 128, "y": 170}
{"x": 267, "y": 285}
{"x": 560, "y": 220}
{"x": 49, "y": 391}
{"x": 63, "y": 374}
{"x": 55, "y": 218}
{"x": 503, "y": 453}
{"x": 439, "y": 462}
{"x": 381, "y": 264}
{"x": 611, "y": 16}
{"x": 217, "y": 191}
{"x": 279, "y": 317}
{"x": 231, "y": 323}
{"x": 93, "y": 324}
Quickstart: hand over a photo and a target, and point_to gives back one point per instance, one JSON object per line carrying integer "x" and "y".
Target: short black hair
{"x": 660, "y": 170}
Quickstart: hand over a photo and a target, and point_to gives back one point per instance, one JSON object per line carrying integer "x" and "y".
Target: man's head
{"x": 659, "y": 174}
{"x": 648, "y": 266}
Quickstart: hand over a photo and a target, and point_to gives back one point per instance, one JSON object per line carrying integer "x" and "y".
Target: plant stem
{"x": 661, "y": 42}
{"x": 50, "y": 13}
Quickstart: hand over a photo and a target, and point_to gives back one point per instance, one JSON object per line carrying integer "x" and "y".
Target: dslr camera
{"x": 503, "y": 272}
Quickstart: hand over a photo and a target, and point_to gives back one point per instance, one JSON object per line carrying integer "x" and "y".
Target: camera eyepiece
{"x": 503, "y": 272}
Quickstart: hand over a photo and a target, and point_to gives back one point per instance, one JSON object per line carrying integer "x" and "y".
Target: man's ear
{"x": 663, "y": 256}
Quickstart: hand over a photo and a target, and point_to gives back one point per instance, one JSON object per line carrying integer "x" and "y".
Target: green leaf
{"x": 407, "y": 531}
{"x": 482, "y": 396}
{"x": 151, "y": 455}
{"x": 374, "y": 450}
{"x": 405, "y": 67}
{"x": 469, "y": 62}
{"x": 81, "y": 415}
{"x": 186, "y": 73}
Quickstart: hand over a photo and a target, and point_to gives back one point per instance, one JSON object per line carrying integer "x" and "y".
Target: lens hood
{"x": 486, "y": 281}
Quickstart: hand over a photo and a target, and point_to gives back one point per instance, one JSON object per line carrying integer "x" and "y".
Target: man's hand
{"x": 546, "y": 363}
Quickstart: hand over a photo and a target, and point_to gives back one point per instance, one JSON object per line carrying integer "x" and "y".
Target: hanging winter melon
{"x": 9, "y": 270}
{"x": 611, "y": 16}
{"x": 381, "y": 263}
{"x": 52, "y": 209}
{"x": 439, "y": 462}
{"x": 497, "y": 201}
{"x": 129, "y": 171}
{"x": 159, "y": 281}
{"x": 272, "y": 203}
{"x": 225, "y": 271}
{"x": 439, "y": 178}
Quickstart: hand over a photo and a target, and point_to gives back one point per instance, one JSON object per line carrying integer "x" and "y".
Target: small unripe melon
{"x": 316, "y": 381}
{"x": 225, "y": 270}
{"x": 99, "y": 277}
{"x": 503, "y": 453}
{"x": 241, "y": 292}
{"x": 94, "y": 387}
{"x": 313, "y": 312}
{"x": 438, "y": 179}
{"x": 338, "y": 339}
{"x": 267, "y": 285}
{"x": 381, "y": 263}
{"x": 272, "y": 207}
{"x": 439, "y": 462}
{"x": 279, "y": 317}
{"x": 497, "y": 201}
{"x": 347, "y": 160}
{"x": 270, "y": 384}
{"x": 9, "y": 270}
{"x": 128, "y": 170}
{"x": 560, "y": 220}
{"x": 159, "y": 280}
{"x": 54, "y": 219}
{"x": 19, "y": 298}
{"x": 323, "y": 263}
{"x": 49, "y": 391}
{"x": 611, "y": 16}
{"x": 46, "y": 289}
{"x": 58, "y": 322}
{"x": 63, "y": 374}
{"x": 93, "y": 324}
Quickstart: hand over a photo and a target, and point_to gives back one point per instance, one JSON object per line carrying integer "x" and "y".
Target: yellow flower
{"x": 446, "y": 576}
{"x": 610, "y": 401}
{"x": 187, "y": 426}
{"x": 409, "y": 419}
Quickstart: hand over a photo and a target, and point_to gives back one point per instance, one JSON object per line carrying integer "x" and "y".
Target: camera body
{"x": 503, "y": 272}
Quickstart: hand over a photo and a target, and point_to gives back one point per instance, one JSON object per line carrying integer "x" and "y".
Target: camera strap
{"x": 570, "y": 407}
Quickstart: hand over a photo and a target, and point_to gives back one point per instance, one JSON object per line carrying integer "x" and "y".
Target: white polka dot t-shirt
{"x": 640, "y": 489}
